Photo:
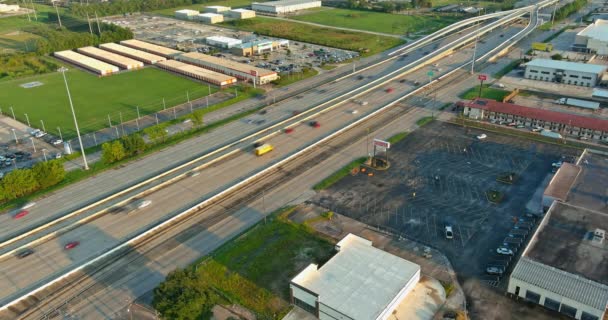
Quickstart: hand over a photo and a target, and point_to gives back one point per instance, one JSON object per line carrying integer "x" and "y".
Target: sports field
{"x": 94, "y": 97}
{"x": 378, "y": 21}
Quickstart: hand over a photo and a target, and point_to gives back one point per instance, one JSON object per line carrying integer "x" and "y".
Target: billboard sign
{"x": 482, "y": 77}
{"x": 253, "y": 72}
{"x": 382, "y": 143}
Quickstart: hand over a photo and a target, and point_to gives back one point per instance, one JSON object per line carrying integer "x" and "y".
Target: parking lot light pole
{"x": 15, "y": 136}
{"x": 84, "y": 157}
{"x": 44, "y": 154}
{"x": 28, "y": 120}
{"x": 13, "y": 112}
{"x": 42, "y": 123}
{"x": 33, "y": 144}
{"x": 60, "y": 135}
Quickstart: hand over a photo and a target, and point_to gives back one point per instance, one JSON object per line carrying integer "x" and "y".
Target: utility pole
{"x": 122, "y": 127}
{"x": 15, "y": 136}
{"x": 13, "y": 112}
{"x": 33, "y": 145}
{"x": 58, "y": 17}
{"x": 42, "y": 123}
{"x": 89, "y": 21}
{"x": 84, "y": 157}
{"x": 28, "y": 120}
{"x": 189, "y": 102}
{"x": 44, "y": 154}
{"x": 60, "y": 136}
{"x": 98, "y": 26}
{"x": 553, "y": 15}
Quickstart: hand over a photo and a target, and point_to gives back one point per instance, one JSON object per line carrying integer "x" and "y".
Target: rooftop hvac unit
{"x": 598, "y": 236}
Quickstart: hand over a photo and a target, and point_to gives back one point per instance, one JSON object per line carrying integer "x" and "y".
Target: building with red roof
{"x": 563, "y": 123}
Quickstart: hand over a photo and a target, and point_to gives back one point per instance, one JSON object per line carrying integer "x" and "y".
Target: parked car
{"x": 449, "y": 233}
{"x": 482, "y": 136}
{"x": 504, "y": 251}
{"x": 494, "y": 271}
{"x": 71, "y": 245}
{"x": 354, "y": 111}
{"x": 56, "y": 142}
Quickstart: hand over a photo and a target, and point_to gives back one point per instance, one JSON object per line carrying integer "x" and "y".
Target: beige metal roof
{"x": 113, "y": 57}
{"x": 560, "y": 185}
{"x": 220, "y": 77}
{"x": 88, "y": 62}
{"x": 133, "y": 53}
{"x": 237, "y": 66}
{"x": 150, "y": 47}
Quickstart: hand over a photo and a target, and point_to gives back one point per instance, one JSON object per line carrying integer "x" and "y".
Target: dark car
{"x": 360, "y": 78}
{"x": 258, "y": 144}
{"x": 24, "y": 253}
{"x": 402, "y": 81}
{"x": 314, "y": 124}
{"x": 115, "y": 210}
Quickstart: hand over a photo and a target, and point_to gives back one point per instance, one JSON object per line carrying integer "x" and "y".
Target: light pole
{"x": 15, "y": 136}
{"x": 28, "y": 120}
{"x": 44, "y": 154}
{"x": 84, "y": 157}
{"x": 42, "y": 123}
{"x": 13, "y": 112}
{"x": 60, "y": 135}
{"x": 33, "y": 144}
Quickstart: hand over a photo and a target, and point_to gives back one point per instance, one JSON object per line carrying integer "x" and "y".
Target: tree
{"x": 557, "y": 56}
{"x": 112, "y": 151}
{"x": 48, "y": 173}
{"x": 18, "y": 183}
{"x": 197, "y": 117}
{"x": 182, "y": 296}
{"x": 134, "y": 144}
{"x": 157, "y": 132}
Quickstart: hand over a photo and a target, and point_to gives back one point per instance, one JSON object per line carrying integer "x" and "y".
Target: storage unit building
{"x": 594, "y": 38}
{"x": 222, "y": 42}
{"x": 9, "y": 7}
{"x": 210, "y": 18}
{"x": 559, "y": 122}
{"x": 579, "y": 74}
{"x": 236, "y": 69}
{"x": 216, "y": 9}
{"x": 186, "y": 14}
{"x": 89, "y": 63}
{"x": 113, "y": 58}
{"x": 151, "y": 48}
{"x": 241, "y": 14}
{"x": 284, "y": 6}
{"x": 132, "y": 53}
{"x": 359, "y": 282}
{"x": 563, "y": 267}
{"x": 198, "y": 73}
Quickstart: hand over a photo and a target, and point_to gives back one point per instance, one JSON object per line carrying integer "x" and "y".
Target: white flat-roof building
{"x": 211, "y": 18}
{"x": 359, "y": 283}
{"x": 241, "y": 14}
{"x": 579, "y": 74}
{"x": 284, "y": 6}
{"x": 87, "y": 62}
{"x": 151, "y": 48}
{"x": 236, "y": 69}
{"x": 9, "y": 7}
{"x": 186, "y": 14}
{"x": 216, "y": 9}
{"x": 110, "y": 57}
{"x": 143, "y": 56}
{"x": 594, "y": 38}
{"x": 222, "y": 42}
{"x": 197, "y": 72}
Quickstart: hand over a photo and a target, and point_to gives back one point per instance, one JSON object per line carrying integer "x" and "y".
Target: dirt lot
{"x": 440, "y": 176}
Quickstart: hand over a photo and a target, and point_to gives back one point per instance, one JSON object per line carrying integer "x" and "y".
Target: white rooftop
{"x": 359, "y": 281}
{"x": 241, "y": 10}
{"x": 597, "y": 30}
{"x": 567, "y": 65}
{"x": 600, "y": 93}
{"x": 226, "y": 40}
{"x": 187, "y": 11}
{"x": 281, "y": 3}
{"x": 210, "y": 15}
{"x": 218, "y": 7}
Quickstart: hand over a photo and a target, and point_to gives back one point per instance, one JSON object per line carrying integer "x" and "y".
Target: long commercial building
{"x": 210, "y": 18}
{"x": 567, "y": 124}
{"x": 151, "y": 48}
{"x": 89, "y": 63}
{"x": 113, "y": 58}
{"x": 593, "y": 39}
{"x": 186, "y": 14}
{"x": 216, "y": 9}
{"x": 241, "y": 14}
{"x": 132, "y": 53}
{"x": 284, "y": 6}
{"x": 578, "y": 74}
{"x": 198, "y": 73}
{"x": 239, "y": 70}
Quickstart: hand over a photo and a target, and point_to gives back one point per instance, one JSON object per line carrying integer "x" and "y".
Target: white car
{"x": 354, "y": 111}
{"x": 28, "y": 205}
{"x": 557, "y": 164}
{"x": 449, "y": 234}
{"x": 144, "y": 203}
{"x": 482, "y": 136}
{"x": 40, "y": 134}
{"x": 193, "y": 173}
{"x": 537, "y": 129}
{"x": 58, "y": 155}
{"x": 504, "y": 251}
{"x": 56, "y": 142}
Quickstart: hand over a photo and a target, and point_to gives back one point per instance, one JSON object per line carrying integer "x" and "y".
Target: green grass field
{"x": 486, "y": 92}
{"x": 318, "y": 35}
{"x": 378, "y": 21}
{"x": 94, "y": 97}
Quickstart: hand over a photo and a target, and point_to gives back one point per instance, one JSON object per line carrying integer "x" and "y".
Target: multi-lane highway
{"x": 97, "y": 236}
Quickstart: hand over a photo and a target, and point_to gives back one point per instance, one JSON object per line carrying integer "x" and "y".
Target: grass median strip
{"x": 338, "y": 175}
{"x": 423, "y": 121}
{"x": 397, "y": 137}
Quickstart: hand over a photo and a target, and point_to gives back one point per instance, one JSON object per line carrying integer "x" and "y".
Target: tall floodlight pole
{"x": 84, "y": 157}
{"x": 58, "y": 17}
{"x": 475, "y": 47}
{"x": 553, "y": 15}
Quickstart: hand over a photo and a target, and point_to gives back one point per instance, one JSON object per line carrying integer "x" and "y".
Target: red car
{"x": 21, "y": 214}
{"x": 389, "y": 90}
{"x": 71, "y": 245}
{"x": 289, "y": 130}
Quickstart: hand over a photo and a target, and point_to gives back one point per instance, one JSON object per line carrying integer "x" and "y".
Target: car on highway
{"x": 28, "y": 205}
{"x": 315, "y": 124}
{"x": 504, "y": 251}
{"x": 288, "y": 130}
{"x": 416, "y": 83}
{"x": 354, "y": 111}
{"x": 482, "y": 136}
{"x": 258, "y": 144}
{"x": 21, "y": 214}
{"x": 24, "y": 253}
{"x": 144, "y": 203}
{"x": 56, "y": 142}
{"x": 71, "y": 245}
{"x": 389, "y": 90}
{"x": 494, "y": 271}
{"x": 116, "y": 210}
{"x": 402, "y": 81}
{"x": 193, "y": 173}
{"x": 449, "y": 233}
{"x": 360, "y": 77}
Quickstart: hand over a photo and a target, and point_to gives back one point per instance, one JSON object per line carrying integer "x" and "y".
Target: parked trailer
{"x": 579, "y": 103}
{"x": 550, "y": 134}
{"x": 113, "y": 58}
{"x": 151, "y": 48}
{"x": 132, "y": 53}
{"x": 89, "y": 63}
{"x": 198, "y": 73}
{"x": 263, "y": 149}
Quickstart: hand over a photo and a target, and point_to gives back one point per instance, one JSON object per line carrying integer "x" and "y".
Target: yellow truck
{"x": 540, "y": 46}
{"x": 263, "y": 149}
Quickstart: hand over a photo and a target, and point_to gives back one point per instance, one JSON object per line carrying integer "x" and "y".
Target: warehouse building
{"x": 132, "y": 53}
{"x": 8, "y": 7}
{"x": 222, "y": 42}
{"x": 198, "y": 73}
{"x": 89, "y": 63}
{"x": 593, "y": 39}
{"x": 241, "y": 14}
{"x": 210, "y": 18}
{"x": 113, "y": 58}
{"x": 216, "y": 9}
{"x": 284, "y": 6}
{"x": 567, "y": 124}
{"x": 578, "y": 74}
{"x": 186, "y": 14}
{"x": 360, "y": 282}
{"x": 252, "y": 48}
{"x": 151, "y": 48}
{"x": 236, "y": 69}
